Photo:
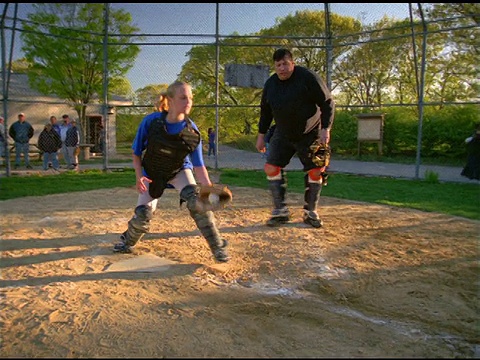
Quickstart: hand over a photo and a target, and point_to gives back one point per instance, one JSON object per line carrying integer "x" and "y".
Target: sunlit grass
{"x": 449, "y": 198}
{"x": 456, "y": 199}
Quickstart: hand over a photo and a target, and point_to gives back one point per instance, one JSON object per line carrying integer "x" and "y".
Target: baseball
{"x": 213, "y": 198}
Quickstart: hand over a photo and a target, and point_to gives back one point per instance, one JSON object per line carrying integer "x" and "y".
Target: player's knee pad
{"x": 189, "y": 195}
{"x": 141, "y": 220}
{"x": 315, "y": 175}
{"x": 273, "y": 172}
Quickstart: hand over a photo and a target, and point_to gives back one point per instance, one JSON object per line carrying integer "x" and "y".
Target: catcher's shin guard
{"x": 278, "y": 188}
{"x": 313, "y": 189}
{"x": 206, "y": 223}
{"x": 138, "y": 225}
{"x": 280, "y": 213}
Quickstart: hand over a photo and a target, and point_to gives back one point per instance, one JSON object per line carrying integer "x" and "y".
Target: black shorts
{"x": 281, "y": 149}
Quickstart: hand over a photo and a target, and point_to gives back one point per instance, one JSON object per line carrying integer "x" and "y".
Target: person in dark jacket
{"x": 302, "y": 107}
{"x": 472, "y": 168}
{"x": 212, "y": 142}
{"x": 267, "y": 138}
{"x": 21, "y": 132}
{"x": 72, "y": 142}
{"x": 49, "y": 142}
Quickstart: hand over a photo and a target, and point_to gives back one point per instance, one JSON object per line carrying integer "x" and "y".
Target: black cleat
{"x": 279, "y": 217}
{"x": 311, "y": 218}
{"x": 220, "y": 253}
{"x": 122, "y": 246}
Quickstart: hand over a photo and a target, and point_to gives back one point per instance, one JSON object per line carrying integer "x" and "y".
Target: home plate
{"x": 141, "y": 263}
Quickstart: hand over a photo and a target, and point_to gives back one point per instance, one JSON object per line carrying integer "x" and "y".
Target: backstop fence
{"x": 372, "y": 56}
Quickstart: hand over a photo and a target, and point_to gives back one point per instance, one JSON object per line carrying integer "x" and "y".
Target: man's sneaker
{"x": 279, "y": 217}
{"x": 220, "y": 253}
{"x": 311, "y": 218}
{"x": 122, "y": 246}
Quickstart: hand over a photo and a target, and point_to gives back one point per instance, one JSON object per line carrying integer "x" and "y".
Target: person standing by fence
{"x": 63, "y": 135}
{"x": 471, "y": 170}
{"x": 267, "y": 138}
{"x": 21, "y": 132}
{"x": 212, "y": 142}
{"x": 49, "y": 142}
{"x": 72, "y": 142}
{"x": 3, "y": 140}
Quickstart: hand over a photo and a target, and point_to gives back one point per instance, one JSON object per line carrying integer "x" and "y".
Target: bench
{"x": 85, "y": 150}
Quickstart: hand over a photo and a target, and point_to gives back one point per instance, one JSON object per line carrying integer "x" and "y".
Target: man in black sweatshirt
{"x": 301, "y": 105}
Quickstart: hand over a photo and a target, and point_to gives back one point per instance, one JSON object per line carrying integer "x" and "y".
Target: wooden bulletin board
{"x": 370, "y": 128}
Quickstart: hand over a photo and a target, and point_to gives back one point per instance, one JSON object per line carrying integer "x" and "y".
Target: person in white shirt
{"x": 63, "y": 135}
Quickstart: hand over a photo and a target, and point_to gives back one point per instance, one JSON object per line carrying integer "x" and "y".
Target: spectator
{"x": 21, "y": 132}
{"x": 268, "y": 136}
{"x": 72, "y": 142}
{"x": 3, "y": 142}
{"x": 472, "y": 168}
{"x": 55, "y": 125}
{"x": 63, "y": 135}
{"x": 211, "y": 141}
{"x": 49, "y": 142}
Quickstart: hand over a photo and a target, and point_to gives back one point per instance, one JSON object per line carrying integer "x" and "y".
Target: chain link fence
{"x": 197, "y": 43}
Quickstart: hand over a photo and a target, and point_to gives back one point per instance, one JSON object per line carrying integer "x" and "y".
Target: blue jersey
{"x": 139, "y": 145}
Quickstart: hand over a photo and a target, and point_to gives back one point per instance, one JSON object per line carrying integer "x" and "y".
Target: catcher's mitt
{"x": 213, "y": 197}
{"x": 320, "y": 154}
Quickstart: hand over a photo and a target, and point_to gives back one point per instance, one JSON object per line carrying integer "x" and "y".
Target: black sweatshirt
{"x": 293, "y": 101}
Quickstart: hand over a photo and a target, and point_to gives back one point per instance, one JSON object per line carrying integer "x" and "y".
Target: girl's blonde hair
{"x": 172, "y": 88}
{"x": 162, "y": 103}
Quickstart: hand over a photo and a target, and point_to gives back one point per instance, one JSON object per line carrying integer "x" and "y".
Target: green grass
{"x": 447, "y": 198}
{"x": 38, "y": 185}
{"x": 456, "y": 199}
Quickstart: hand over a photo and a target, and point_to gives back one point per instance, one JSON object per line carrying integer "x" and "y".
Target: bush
{"x": 127, "y": 126}
{"x": 443, "y": 131}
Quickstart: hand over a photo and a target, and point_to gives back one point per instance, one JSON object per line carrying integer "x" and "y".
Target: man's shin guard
{"x": 278, "y": 188}
{"x": 312, "y": 193}
{"x": 205, "y": 220}
{"x": 138, "y": 225}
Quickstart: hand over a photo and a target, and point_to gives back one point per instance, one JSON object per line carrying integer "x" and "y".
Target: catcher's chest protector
{"x": 165, "y": 152}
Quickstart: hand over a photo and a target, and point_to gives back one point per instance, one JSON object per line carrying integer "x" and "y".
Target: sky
{"x": 159, "y": 64}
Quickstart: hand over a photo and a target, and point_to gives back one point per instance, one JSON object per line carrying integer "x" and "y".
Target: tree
{"x": 308, "y": 46}
{"x": 310, "y": 37}
{"x": 19, "y": 66}
{"x": 149, "y": 95}
{"x": 121, "y": 86}
{"x": 458, "y": 60}
{"x": 367, "y": 74}
{"x": 64, "y": 45}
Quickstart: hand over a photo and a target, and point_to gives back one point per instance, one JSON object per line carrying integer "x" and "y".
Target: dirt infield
{"x": 376, "y": 281}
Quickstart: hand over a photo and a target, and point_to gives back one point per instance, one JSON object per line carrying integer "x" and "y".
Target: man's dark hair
{"x": 279, "y": 54}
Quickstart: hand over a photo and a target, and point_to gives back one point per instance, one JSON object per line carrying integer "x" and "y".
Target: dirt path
{"x": 376, "y": 281}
